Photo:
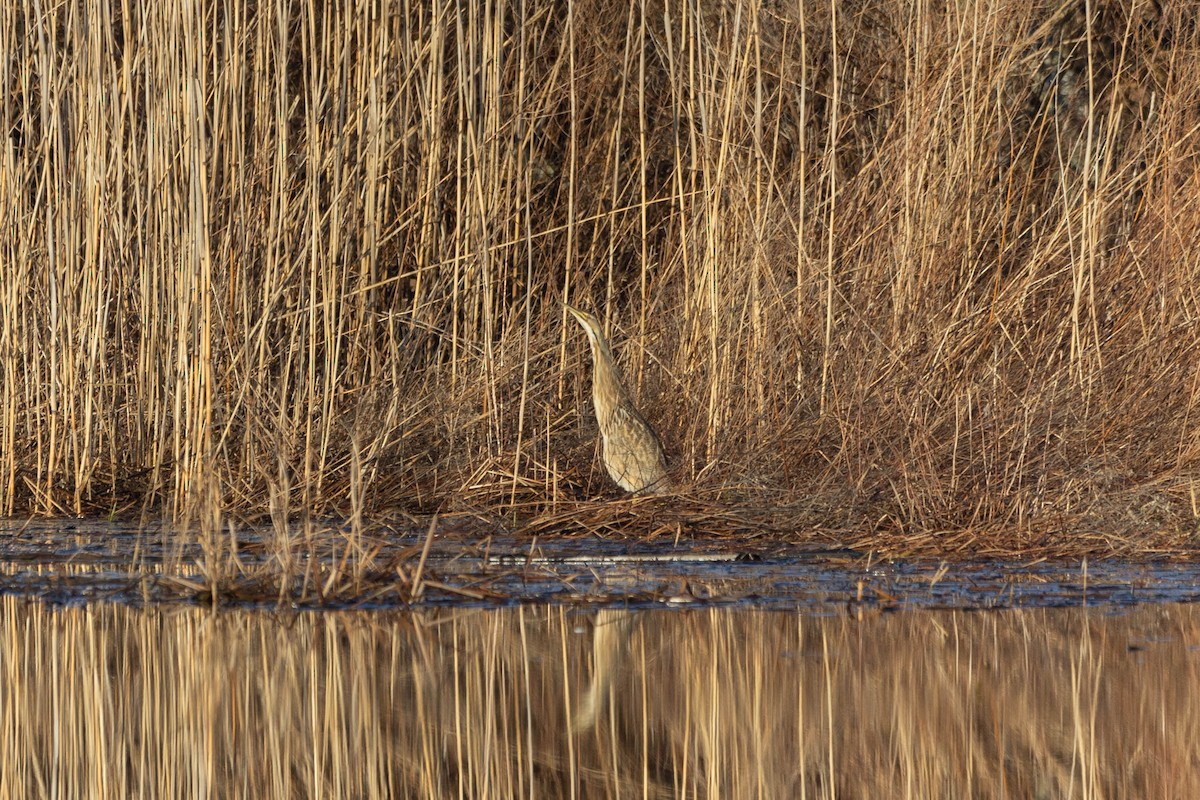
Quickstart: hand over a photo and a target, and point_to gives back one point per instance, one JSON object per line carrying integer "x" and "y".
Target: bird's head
{"x": 590, "y": 324}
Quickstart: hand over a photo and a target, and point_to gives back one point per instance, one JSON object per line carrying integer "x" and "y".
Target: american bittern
{"x": 632, "y": 452}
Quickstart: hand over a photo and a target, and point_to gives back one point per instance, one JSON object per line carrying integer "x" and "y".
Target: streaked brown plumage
{"x": 631, "y": 449}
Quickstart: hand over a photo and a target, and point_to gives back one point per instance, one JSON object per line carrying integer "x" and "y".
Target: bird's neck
{"x": 608, "y": 385}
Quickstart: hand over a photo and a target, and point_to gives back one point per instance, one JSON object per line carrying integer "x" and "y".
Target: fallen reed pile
{"x": 901, "y": 269}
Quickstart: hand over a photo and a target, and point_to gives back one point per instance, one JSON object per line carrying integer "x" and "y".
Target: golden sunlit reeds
{"x": 283, "y": 256}
{"x": 115, "y": 702}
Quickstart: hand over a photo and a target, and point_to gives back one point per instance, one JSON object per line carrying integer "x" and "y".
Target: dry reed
{"x": 290, "y": 258}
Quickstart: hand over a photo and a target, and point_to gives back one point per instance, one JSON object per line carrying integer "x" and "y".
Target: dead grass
{"x": 267, "y": 257}
{"x": 117, "y": 702}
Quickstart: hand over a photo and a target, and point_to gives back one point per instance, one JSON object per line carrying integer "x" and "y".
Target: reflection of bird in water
{"x": 632, "y": 452}
{"x": 609, "y": 636}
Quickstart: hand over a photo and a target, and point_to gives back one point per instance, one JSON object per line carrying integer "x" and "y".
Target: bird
{"x": 632, "y": 451}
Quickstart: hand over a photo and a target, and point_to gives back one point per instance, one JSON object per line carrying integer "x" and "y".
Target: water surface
{"x": 108, "y": 700}
{"x": 341, "y": 665}
{"x": 334, "y": 569}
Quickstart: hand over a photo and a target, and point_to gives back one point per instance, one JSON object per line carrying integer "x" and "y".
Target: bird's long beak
{"x": 576, "y": 313}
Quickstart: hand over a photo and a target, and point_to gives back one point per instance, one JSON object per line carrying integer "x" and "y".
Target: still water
{"x": 326, "y": 567}
{"x": 116, "y": 700}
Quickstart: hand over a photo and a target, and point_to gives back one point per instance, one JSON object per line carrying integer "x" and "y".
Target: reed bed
{"x": 291, "y": 258}
{"x": 108, "y": 701}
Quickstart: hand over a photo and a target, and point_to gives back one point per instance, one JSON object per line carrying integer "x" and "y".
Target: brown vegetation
{"x": 879, "y": 267}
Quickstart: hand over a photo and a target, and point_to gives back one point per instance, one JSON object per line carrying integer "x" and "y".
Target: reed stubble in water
{"x": 296, "y": 258}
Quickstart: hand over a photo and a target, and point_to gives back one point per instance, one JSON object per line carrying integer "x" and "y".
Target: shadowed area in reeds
{"x": 113, "y": 702}
{"x": 904, "y": 270}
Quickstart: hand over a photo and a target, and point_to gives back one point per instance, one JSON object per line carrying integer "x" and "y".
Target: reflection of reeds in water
{"x": 112, "y": 702}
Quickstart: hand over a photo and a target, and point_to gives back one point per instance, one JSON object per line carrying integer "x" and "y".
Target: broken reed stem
{"x": 418, "y": 587}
